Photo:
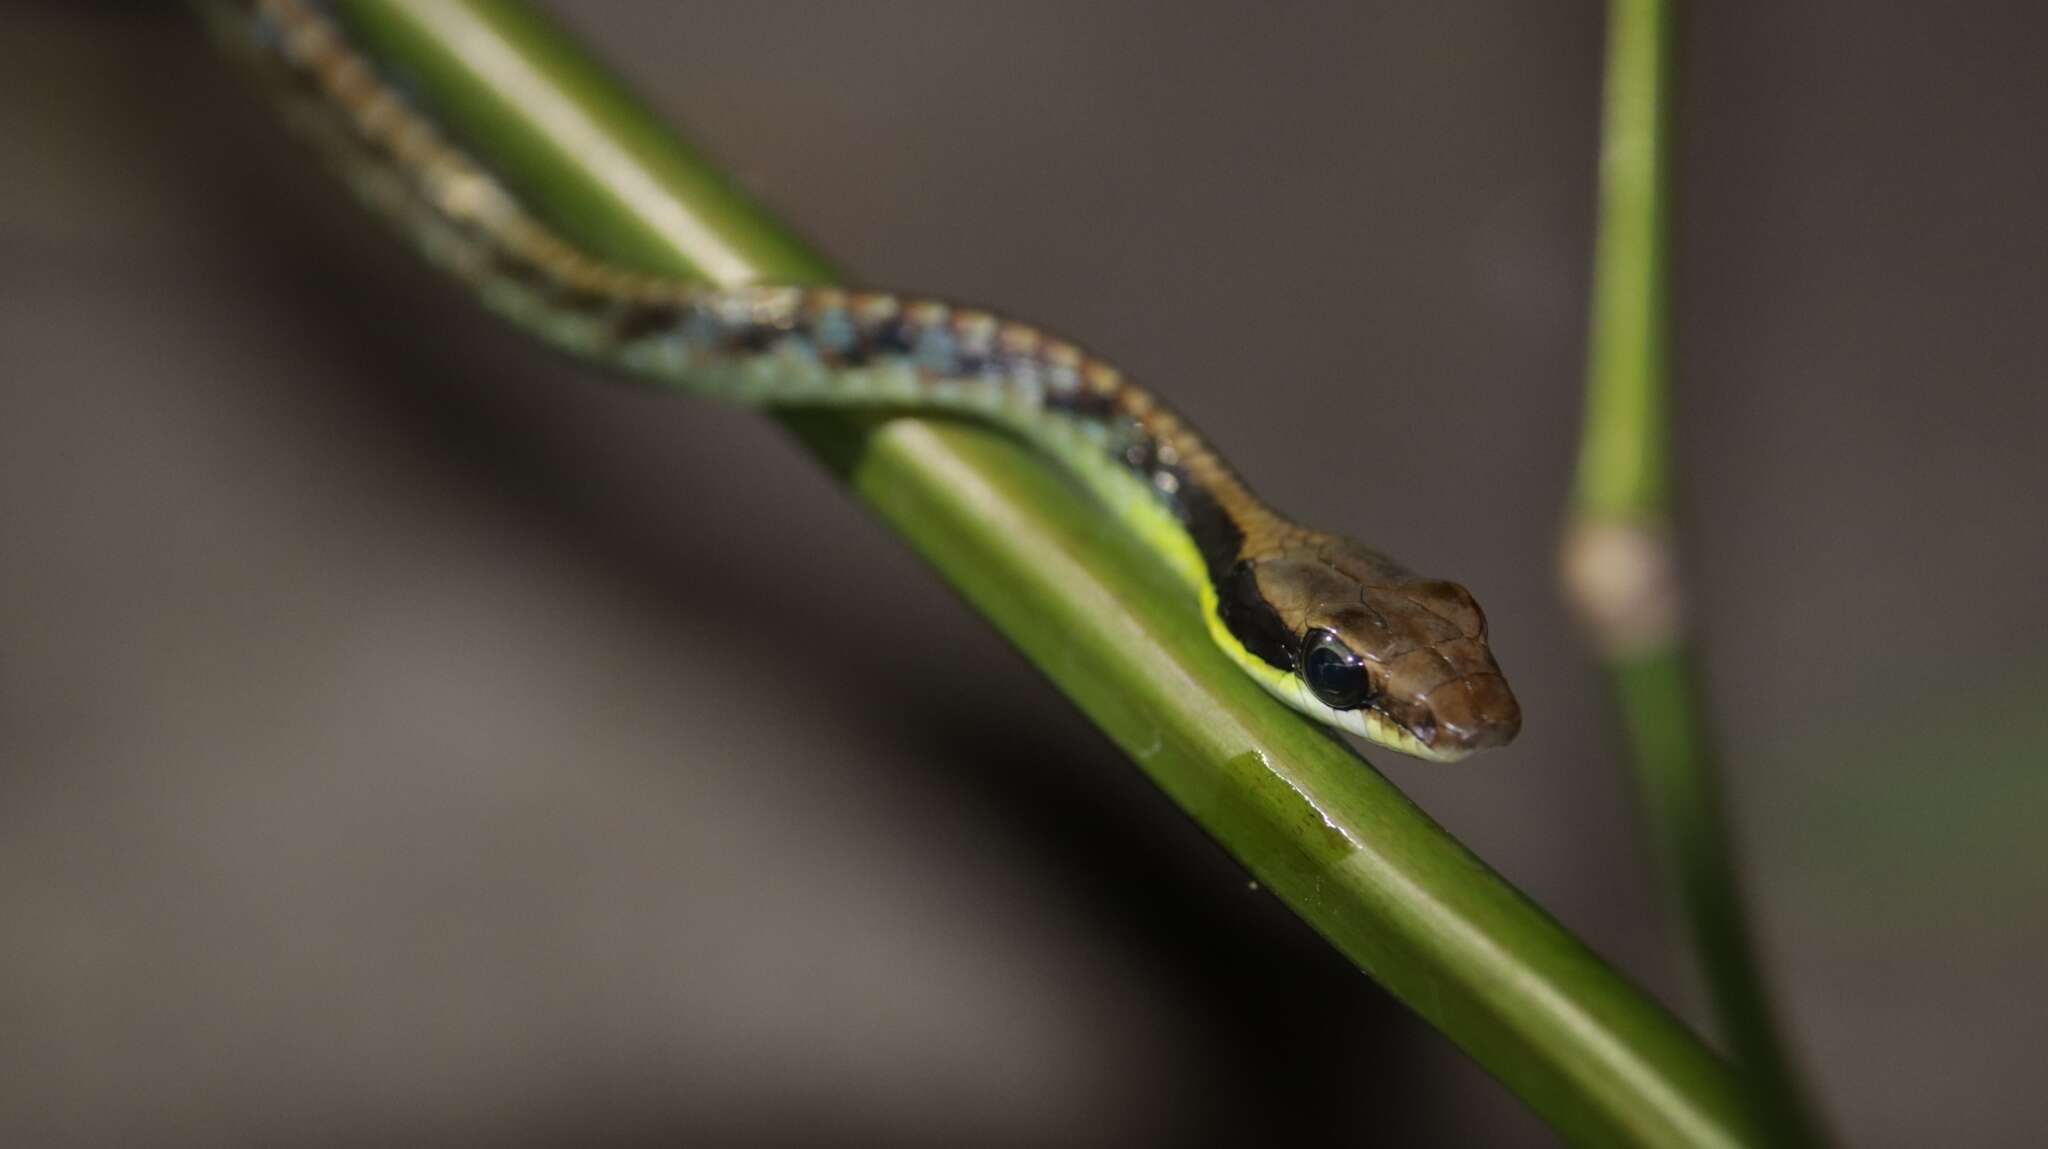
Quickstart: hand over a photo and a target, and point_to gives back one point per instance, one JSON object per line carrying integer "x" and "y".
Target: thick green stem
{"x": 1317, "y": 825}
{"x": 1620, "y": 564}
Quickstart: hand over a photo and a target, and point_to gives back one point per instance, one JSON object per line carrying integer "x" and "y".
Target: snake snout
{"x": 1474, "y": 712}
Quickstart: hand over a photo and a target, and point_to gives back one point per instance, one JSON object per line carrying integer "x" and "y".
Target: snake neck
{"x": 778, "y": 346}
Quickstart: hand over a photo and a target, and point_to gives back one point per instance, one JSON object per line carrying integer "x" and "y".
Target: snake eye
{"x": 1335, "y": 675}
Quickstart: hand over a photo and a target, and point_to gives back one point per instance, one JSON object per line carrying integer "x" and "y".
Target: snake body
{"x": 1338, "y": 631}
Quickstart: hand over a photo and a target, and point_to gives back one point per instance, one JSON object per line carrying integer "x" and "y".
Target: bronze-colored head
{"x": 1354, "y": 639}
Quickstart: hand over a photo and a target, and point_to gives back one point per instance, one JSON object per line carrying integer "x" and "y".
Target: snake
{"x": 1338, "y": 631}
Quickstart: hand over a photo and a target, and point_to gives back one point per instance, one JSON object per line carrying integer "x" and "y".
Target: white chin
{"x": 1376, "y": 729}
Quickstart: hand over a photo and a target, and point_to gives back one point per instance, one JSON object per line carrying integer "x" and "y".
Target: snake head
{"x": 1353, "y": 639}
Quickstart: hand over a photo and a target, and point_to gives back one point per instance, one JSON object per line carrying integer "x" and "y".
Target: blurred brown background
{"x": 405, "y": 738}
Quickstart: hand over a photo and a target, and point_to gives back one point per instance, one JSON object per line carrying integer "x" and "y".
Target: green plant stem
{"x": 1623, "y": 473}
{"x": 1676, "y": 775}
{"x": 1624, "y": 487}
{"x": 1317, "y": 825}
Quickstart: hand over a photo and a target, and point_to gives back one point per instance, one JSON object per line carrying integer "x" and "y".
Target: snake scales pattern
{"x": 1332, "y": 628}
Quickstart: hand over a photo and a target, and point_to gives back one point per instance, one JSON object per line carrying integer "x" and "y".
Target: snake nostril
{"x": 1477, "y": 711}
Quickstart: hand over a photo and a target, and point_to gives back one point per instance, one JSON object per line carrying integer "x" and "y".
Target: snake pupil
{"x": 1335, "y": 675}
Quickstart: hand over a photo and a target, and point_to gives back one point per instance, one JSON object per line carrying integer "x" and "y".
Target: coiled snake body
{"x": 1335, "y": 630}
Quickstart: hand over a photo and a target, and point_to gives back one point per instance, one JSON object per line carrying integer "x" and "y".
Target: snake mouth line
{"x": 1372, "y": 724}
{"x": 1376, "y": 726}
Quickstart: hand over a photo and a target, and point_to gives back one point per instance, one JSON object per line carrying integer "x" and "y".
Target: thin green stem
{"x": 1317, "y": 825}
{"x": 1621, "y": 566}
{"x": 1676, "y": 773}
{"x": 1622, "y": 465}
